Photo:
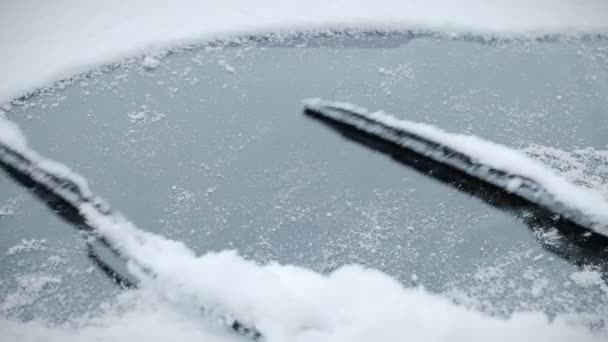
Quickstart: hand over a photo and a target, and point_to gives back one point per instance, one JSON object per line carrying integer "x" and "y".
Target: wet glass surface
{"x": 210, "y": 148}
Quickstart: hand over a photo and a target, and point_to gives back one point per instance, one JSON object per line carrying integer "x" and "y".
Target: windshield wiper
{"x": 66, "y": 193}
{"x": 518, "y": 194}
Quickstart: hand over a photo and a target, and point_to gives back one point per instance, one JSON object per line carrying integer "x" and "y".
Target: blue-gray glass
{"x": 211, "y": 148}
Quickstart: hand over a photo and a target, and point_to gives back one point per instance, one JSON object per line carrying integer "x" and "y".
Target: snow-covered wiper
{"x": 502, "y": 177}
{"x": 109, "y": 235}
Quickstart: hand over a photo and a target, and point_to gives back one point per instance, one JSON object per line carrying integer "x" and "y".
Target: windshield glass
{"x": 208, "y": 146}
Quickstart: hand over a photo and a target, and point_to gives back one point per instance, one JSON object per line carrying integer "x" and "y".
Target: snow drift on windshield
{"x": 286, "y": 303}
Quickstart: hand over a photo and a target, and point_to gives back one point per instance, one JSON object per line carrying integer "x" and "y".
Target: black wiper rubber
{"x": 463, "y": 173}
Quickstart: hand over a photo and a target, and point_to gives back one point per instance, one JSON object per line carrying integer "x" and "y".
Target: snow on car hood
{"x": 47, "y": 42}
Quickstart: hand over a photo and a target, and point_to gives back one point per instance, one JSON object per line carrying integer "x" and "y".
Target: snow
{"x": 44, "y": 42}
{"x": 157, "y": 321}
{"x": 130, "y": 318}
{"x": 29, "y": 289}
{"x": 6, "y": 210}
{"x": 136, "y": 116}
{"x": 555, "y": 190}
{"x": 27, "y": 246}
{"x": 225, "y": 66}
{"x": 150, "y": 62}
{"x": 587, "y": 277}
{"x": 10, "y": 135}
{"x": 586, "y": 167}
{"x": 48, "y": 41}
{"x": 194, "y": 296}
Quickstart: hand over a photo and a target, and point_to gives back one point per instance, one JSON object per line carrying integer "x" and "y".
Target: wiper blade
{"x": 429, "y": 151}
{"x": 66, "y": 193}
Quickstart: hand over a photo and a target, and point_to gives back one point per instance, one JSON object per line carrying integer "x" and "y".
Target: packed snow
{"x": 44, "y": 42}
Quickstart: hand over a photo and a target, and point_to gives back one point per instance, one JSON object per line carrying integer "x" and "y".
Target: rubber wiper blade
{"x": 422, "y": 149}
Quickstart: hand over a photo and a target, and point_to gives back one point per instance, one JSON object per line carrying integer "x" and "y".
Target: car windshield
{"x": 207, "y": 145}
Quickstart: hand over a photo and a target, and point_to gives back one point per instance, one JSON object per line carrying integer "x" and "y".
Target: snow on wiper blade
{"x": 111, "y": 236}
{"x": 496, "y": 165}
